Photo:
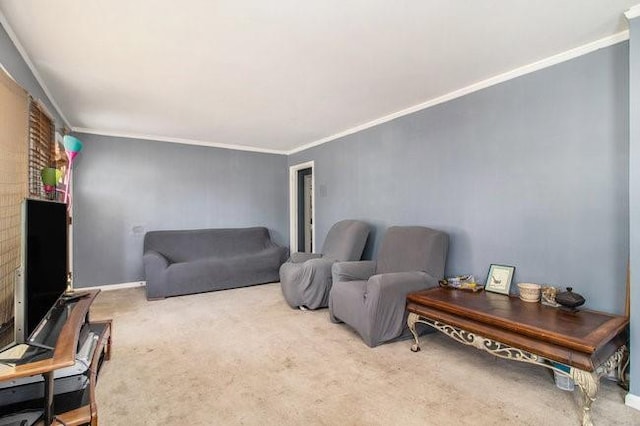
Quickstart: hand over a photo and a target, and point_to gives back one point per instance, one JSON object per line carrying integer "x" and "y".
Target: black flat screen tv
{"x": 44, "y": 263}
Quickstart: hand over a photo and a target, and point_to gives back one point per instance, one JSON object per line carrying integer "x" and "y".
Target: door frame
{"x": 293, "y": 205}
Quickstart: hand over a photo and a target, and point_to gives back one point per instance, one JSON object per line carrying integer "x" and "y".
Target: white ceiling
{"x": 282, "y": 74}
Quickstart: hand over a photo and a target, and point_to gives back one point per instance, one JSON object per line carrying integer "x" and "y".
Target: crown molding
{"x": 176, "y": 140}
{"x": 633, "y": 12}
{"x": 4, "y": 70}
{"x": 16, "y": 42}
{"x": 532, "y": 67}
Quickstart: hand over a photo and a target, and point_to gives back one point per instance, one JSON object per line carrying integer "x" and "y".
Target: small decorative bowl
{"x": 570, "y": 300}
{"x": 529, "y": 292}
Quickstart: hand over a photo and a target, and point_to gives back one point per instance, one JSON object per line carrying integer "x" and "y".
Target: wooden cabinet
{"x": 43, "y": 380}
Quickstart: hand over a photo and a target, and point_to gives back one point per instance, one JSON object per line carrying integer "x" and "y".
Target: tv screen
{"x": 44, "y": 261}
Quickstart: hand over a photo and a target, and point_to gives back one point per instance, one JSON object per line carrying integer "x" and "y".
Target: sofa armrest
{"x": 158, "y": 260}
{"x": 353, "y": 271}
{"x": 303, "y": 257}
{"x": 284, "y": 251}
{"x": 155, "y": 265}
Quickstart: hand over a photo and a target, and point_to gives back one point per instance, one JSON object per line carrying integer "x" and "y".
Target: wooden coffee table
{"x": 591, "y": 343}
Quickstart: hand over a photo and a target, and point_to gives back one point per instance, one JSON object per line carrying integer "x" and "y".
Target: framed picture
{"x": 499, "y": 278}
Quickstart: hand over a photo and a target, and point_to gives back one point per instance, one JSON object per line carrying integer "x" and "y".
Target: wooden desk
{"x": 591, "y": 343}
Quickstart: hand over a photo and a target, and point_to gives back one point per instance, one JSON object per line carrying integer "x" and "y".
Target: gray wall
{"x": 532, "y": 172}
{"x": 634, "y": 197}
{"x": 16, "y": 66}
{"x": 124, "y": 187}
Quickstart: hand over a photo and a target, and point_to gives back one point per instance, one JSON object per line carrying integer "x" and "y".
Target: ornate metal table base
{"x": 587, "y": 381}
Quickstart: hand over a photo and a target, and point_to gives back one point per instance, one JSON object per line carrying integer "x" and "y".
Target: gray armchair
{"x": 371, "y": 296}
{"x": 306, "y": 277}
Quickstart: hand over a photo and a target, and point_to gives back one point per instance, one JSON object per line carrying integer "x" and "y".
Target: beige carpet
{"x": 243, "y": 357}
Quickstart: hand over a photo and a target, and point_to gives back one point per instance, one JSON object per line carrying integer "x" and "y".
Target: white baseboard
{"x": 108, "y": 287}
{"x": 632, "y": 401}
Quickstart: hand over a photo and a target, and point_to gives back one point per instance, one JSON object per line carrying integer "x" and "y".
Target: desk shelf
{"x": 77, "y": 407}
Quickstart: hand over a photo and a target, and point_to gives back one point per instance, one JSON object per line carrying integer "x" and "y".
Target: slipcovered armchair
{"x": 306, "y": 277}
{"x": 370, "y": 296}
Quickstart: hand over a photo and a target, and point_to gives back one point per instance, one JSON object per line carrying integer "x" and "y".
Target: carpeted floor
{"x": 243, "y": 357}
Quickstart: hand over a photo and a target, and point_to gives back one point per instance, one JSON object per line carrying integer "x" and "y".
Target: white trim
{"x": 109, "y": 287}
{"x": 293, "y": 204}
{"x": 633, "y": 12}
{"x": 532, "y": 67}
{"x": 632, "y": 401}
{"x": 175, "y": 140}
{"x": 14, "y": 38}
{"x": 3, "y": 69}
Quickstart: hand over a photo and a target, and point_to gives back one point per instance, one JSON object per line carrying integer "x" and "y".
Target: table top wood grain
{"x": 64, "y": 354}
{"x": 584, "y": 331}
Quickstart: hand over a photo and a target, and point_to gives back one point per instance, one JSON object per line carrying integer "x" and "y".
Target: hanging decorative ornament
{"x": 72, "y": 146}
{"x": 50, "y": 178}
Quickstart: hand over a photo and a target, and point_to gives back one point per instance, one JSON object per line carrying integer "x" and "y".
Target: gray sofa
{"x": 195, "y": 261}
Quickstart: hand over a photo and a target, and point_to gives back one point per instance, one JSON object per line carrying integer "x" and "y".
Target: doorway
{"x": 302, "y": 208}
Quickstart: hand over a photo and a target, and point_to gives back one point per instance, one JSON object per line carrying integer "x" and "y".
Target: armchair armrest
{"x": 385, "y": 303}
{"x": 353, "y": 271}
{"x": 398, "y": 284}
{"x": 303, "y": 257}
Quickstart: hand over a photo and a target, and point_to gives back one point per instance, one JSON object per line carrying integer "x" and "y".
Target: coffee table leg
{"x": 622, "y": 368}
{"x": 588, "y": 384}
{"x": 412, "y": 319}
